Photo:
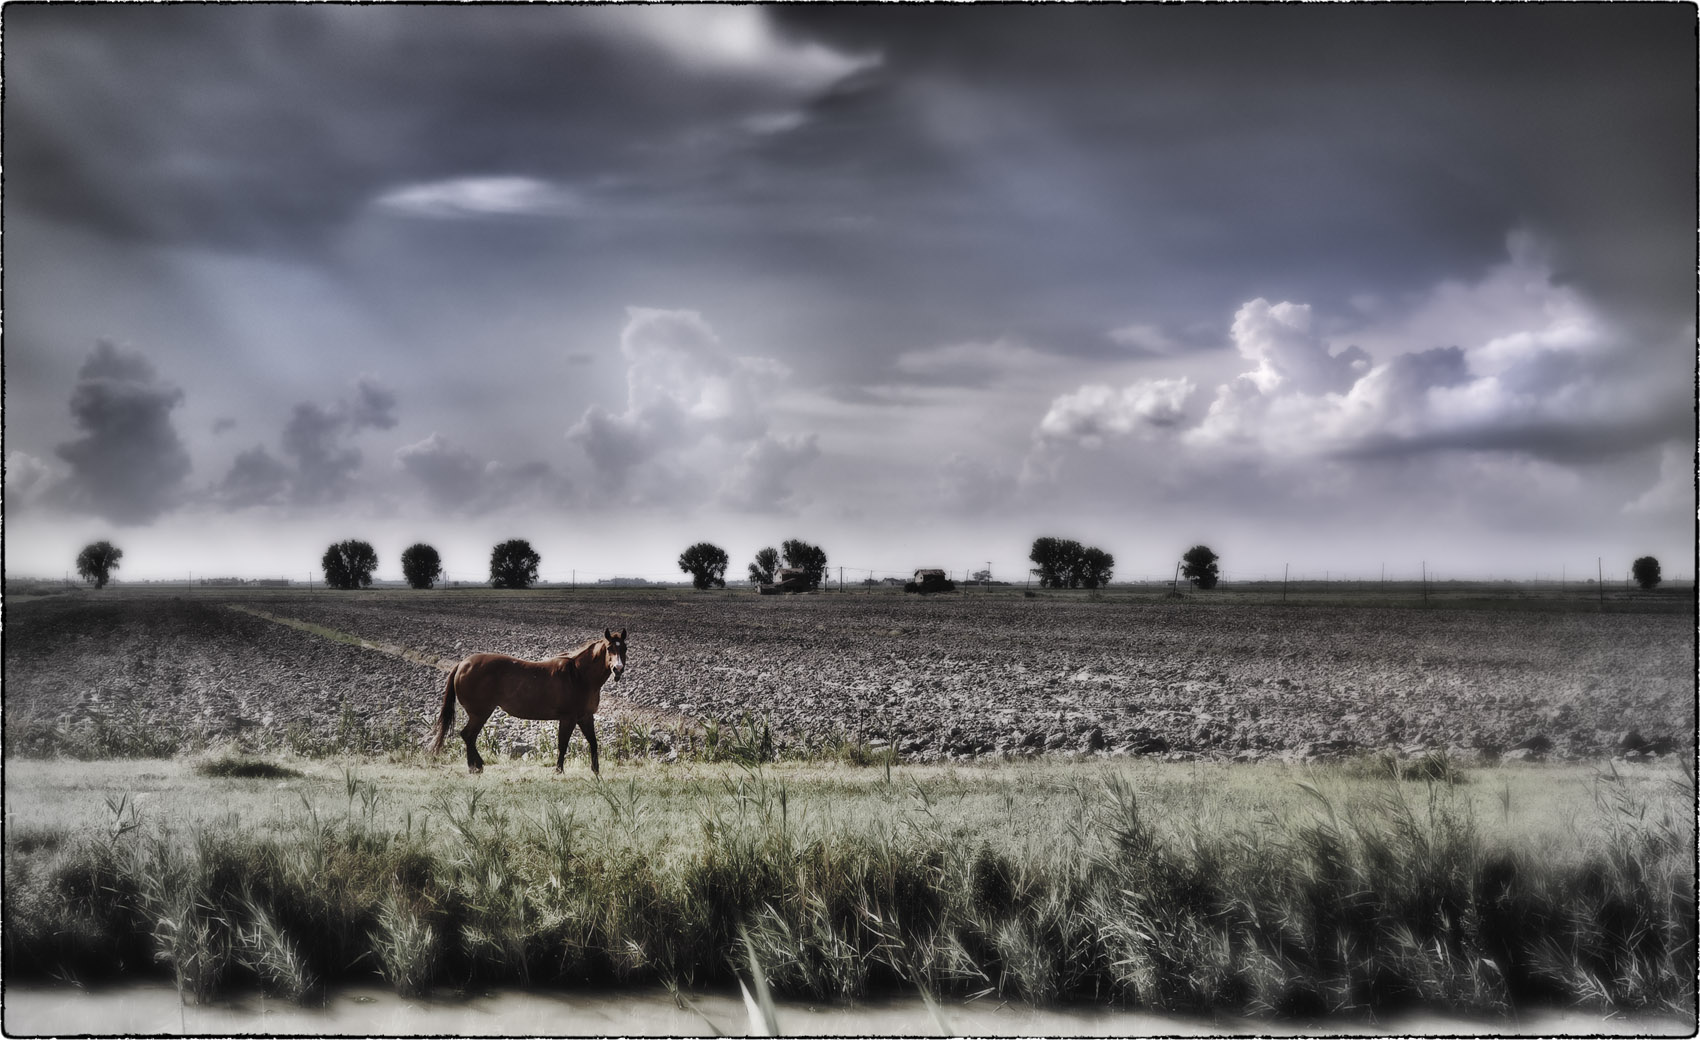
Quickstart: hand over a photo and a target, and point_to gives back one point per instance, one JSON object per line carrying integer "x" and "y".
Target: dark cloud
{"x": 449, "y": 475}
{"x": 255, "y": 478}
{"x": 373, "y": 406}
{"x": 315, "y": 439}
{"x": 269, "y": 127}
{"x": 456, "y": 482}
{"x": 1051, "y": 174}
{"x": 130, "y": 465}
{"x": 317, "y": 442}
{"x": 988, "y": 230}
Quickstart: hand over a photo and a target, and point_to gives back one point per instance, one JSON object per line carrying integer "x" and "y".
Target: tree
{"x": 1063, "y": 563}
{"x": 98, "y": 560}
{"x": 766, "y": 566}
{"x": 1095, "y": 567}
{"x": 706, "y": 563}
{"x": 1199, "y": 567}
{"x": 349, "y": 565}
{"x": 1646, "y": 571}
{"x": 421, "y": 565}
{"x": 1051, "y": 558}
{"x": 513, "y": 565}
{"x": 810, "y": 559}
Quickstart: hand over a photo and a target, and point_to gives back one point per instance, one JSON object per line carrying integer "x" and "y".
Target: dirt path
{"x": 613, "y": 705}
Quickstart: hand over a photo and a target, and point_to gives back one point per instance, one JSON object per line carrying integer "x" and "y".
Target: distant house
{"x": 930, "y": 579}
{"x": 791, "y": 579}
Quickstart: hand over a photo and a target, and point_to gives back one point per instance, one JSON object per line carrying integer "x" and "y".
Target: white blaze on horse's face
{"x": 616, "y": 652}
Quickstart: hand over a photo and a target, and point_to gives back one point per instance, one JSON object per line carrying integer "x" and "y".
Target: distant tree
{"x": 513, "y": 565}
{"x": 1199, "y": 567}
{"x": 810, "y": 559}
{"x": 349, "y": 565}
{"x": 982, "y": 576}
{"x": 1063, "y": 563}
{"x": 1095, "y": 567}
{"x": 1646, "y": 571}
{"x": 98, "y": 560}
{"x": 421, "y": 565}
{"x": 766, "y": 567}
{"x": 1053, "y": 560}
{"x": 706, "y": 564}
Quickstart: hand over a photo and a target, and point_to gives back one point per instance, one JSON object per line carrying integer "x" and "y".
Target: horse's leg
{"x": 589, "y": 726}
{"x": 474, "y": 722}
{"x": 561, "y": 745}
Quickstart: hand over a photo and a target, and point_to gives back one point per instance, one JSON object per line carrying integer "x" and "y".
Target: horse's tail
{"x": 446, "y": 718}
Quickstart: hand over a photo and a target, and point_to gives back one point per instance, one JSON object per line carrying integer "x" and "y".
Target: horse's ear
{"x": 607, "y": 634}
{"x": 622, "y": 635}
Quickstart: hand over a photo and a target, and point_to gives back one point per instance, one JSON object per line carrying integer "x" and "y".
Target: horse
{"x": 567, "y": 686}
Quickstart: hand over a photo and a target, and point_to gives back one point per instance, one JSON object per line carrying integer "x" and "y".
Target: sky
{"x": 1349, "y": 289}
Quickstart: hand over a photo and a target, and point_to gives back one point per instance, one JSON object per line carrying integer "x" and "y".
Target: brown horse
{"x": 567, "y": 686}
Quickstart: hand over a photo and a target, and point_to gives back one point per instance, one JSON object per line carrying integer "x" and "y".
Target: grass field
{"x": 1258, "y": 888}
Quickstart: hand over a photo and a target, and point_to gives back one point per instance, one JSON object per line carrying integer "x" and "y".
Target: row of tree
{"x": 1063, "y": 563}
{"x": 349, "y": 565}
{"x": 1059, "y": 563}
{"x": 706, "y": 563}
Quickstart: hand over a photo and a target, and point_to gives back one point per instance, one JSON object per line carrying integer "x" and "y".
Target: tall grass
{"x": 1366, "y": 904}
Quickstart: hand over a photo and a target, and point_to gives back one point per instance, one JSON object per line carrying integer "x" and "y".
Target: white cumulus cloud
{"x": 695, "y": 424}
{"x": 1095, "y": 412}
{"x": 1513, "y": 363}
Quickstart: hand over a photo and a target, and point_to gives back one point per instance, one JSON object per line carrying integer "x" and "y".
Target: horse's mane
{"x": 579, "y": 651}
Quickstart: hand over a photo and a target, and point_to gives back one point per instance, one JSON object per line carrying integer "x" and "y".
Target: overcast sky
{"x": 1335, "y": 286}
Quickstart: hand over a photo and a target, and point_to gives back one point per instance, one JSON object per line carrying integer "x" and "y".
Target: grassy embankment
{"x": 1260, "y": 888}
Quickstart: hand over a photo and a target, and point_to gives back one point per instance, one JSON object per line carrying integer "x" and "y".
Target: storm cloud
{"x": 455, "y": 481}
{"x": 130, "y": 464}
{"x": 891, "y": 273}
{"x": 317, "y": 442}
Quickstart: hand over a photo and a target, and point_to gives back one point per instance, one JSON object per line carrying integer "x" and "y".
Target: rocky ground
{"x": 946, "y": 677}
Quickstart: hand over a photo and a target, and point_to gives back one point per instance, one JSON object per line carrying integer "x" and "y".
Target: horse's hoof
{"x": 475, "y": 770}
{"x": 559, "y": 771}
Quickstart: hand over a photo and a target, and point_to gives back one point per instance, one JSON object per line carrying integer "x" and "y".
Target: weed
{"x": 272, "y": 956}
{"x": 241, "y": 767}
{"x": 406, "y": 945}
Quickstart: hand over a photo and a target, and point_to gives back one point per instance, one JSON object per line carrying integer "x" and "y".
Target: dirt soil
{"x": 946, "y": 677}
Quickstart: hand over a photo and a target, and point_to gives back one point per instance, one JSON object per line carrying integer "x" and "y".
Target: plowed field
{"x": 945, "y": 677}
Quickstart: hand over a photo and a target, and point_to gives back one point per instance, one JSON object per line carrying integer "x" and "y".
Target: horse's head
{"x": 614, "y": 652}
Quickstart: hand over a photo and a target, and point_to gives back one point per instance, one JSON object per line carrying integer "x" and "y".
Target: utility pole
{"x": 1425, "y": 583}
{"x": 1600, "y": 578}
{"x": 1284, "y": 567}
